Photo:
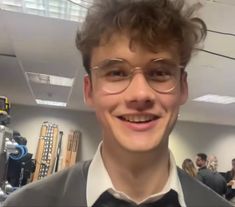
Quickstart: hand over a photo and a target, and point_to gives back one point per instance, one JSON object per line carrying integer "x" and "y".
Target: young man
{"x": 212, "y": 179}
{"x": 201, "y": 161}
{"x": 135, "y": 53}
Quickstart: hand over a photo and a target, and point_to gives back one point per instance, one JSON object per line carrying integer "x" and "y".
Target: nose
{"x": 139, "y": 94}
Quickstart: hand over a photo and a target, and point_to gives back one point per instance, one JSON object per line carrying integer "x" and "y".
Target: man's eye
{"x": 115, "y": 74}
{"x": 159, "y": 74}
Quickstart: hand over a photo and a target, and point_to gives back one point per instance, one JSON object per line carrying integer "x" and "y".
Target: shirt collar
{"x": 98, "y": 181}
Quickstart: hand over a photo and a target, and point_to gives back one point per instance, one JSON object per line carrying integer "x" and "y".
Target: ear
{"x": 87, "y": 91}
{"x": 184, "y": 88}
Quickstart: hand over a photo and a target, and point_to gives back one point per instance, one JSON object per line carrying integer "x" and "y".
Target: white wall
{"x": 186, "y": 140}
{"x": 189, "y": 138}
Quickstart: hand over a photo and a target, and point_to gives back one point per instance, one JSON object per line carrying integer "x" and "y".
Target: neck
{"x": 137, "y": 174}
{"x": 202, "y": 167}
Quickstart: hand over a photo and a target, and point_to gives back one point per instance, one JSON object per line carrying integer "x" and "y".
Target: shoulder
{"x": 205, "y": 173}
{"x": 204, "y": 170}
{"x": 198, "y": 194}
{"x": 51, "y": 189}
{"x": 219, "y": 176}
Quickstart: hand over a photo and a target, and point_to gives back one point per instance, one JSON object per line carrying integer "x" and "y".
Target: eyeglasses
{"x": 115, "y": 75}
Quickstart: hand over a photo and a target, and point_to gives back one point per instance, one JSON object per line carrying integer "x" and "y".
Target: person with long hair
{"x": 189, "y": 167}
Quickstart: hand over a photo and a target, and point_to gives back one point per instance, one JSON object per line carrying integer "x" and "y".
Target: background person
{"x": 230, "y": 179}
{"x": 189, "y": 167}
{"x": 212, "y": 163}
{"x": 212, "y": 179}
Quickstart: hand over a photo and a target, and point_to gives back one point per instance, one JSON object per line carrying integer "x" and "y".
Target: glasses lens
{"x": 162, "y": 75}
{"x": 114, "y": 75}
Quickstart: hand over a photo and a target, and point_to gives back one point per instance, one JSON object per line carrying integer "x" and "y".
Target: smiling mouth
{"x": 138, "y": 119}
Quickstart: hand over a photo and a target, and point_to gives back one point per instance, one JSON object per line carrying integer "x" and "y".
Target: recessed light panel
{"x": 51, "y": 103}
{"x": 211, "y": 98}
{"x": 49, "y": 79}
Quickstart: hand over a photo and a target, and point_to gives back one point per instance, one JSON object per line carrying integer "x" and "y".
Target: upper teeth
{"x": 138, "y": 118}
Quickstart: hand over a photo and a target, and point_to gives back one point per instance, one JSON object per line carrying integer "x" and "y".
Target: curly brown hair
{"x": 151, "y": 23}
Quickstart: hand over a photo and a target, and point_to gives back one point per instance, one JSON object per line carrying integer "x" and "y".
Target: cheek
{"x": 104, "y": 108}
{"x": 170, "y": 103}
{"x": 105, "y": 105}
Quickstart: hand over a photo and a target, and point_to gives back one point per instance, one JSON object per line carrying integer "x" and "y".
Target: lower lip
{"x": 140, "y": 126}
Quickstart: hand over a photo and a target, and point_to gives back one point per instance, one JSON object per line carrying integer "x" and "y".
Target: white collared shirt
{"x": 98, "y": 181}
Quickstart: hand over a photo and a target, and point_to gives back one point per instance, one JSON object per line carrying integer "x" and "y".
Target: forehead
{"x": 121, "y": 46}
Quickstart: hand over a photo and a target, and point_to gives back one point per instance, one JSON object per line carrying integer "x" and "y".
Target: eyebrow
{"x": 160, "y": 59}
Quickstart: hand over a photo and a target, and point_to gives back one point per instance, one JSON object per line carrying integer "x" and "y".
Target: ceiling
{"x": 30, "y": 43}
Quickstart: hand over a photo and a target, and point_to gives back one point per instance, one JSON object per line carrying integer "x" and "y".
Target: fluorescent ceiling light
{"x": 211, "y": 98}
{"x": 81, "y": 2}
{"x": 49, "y": 79}
{"x": 227, "y": 2}
{"x": 61, "y": 9}
{"x": 51, "y": 103}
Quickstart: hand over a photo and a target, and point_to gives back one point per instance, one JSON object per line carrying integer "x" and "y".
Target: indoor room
{"x": 47, "y": 125}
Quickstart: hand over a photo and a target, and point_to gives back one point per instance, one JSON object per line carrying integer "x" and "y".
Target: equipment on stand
{"x": 9, "y": 149}
{"x": 19, "y": 171}
{"x": 71, "y": 156}
{"x": 58, "y": 152}
{"x": 5, "y": 134}
{"x": 4, "y": 110}
{"x": 45, "y": 156}
{"x": 16, "y": 164}
{"x": 4, "y": 105}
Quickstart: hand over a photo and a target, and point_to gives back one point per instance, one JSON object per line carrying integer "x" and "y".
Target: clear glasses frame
{"x": 115, "y": 75}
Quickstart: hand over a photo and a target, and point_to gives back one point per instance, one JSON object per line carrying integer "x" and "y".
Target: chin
{"x": 140, "y": 143}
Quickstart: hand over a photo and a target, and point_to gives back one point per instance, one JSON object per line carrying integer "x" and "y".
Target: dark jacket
{"x": 228, "y": 176}
{"x": 214, "y": 180}
{"x": 230, "y": 193}
{"x": 67, "y": 188}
